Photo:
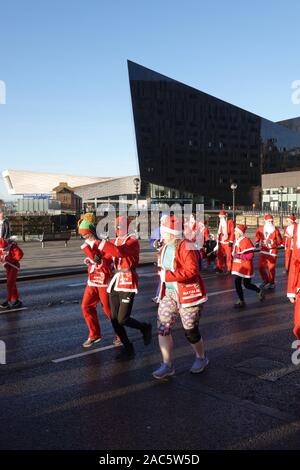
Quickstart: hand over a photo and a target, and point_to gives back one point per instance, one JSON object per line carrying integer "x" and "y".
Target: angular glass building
{"x": 192, "y": 145}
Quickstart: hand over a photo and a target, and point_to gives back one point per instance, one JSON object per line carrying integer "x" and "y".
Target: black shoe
{"x": 126, "y": 353}
{"x": 5, "y": 305}
{"x": 147, "y": 334}
{"x": 17, "y": 304}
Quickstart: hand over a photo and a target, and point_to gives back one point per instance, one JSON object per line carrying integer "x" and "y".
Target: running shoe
{"x": 5, "y": 305}
{"x": 16, "y": 304}
{"x": 199, "y": 364}
{"x": 163, "y": 371}
{"x": 239, "y": 304}
{"x": 90, "y": 341}
{"x": 261, "y": 295}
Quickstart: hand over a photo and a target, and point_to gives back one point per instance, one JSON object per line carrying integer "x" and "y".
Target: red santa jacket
{"x": 10, "y": 254}
{"x": 222, "y": 238}
{"x": 269, "y": 242}
{"x": 125, "y": 254}
{"x": 288, "y": 236}
{"x": 243, "y": 254}
{"x": 99, "y": 275}
{"x": 294, "y": 272}
{"x": 189, "y": 285}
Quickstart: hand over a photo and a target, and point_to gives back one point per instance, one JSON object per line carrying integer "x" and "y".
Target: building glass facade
{"x": 191, "y": 142}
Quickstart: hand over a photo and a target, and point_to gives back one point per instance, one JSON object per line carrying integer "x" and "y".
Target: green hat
{"x": 85, "y": 227}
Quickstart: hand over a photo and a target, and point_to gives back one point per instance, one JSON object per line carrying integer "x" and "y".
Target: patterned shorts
{"x": 168, "y": 312}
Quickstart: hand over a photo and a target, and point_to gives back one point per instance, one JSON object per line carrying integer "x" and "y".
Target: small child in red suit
{"x": 10, "y": 256}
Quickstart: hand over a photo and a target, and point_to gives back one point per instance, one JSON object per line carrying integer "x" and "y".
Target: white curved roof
{"x": 32, "y": 182}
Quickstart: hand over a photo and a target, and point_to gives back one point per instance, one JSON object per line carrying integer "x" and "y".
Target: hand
{"x": 230, "y": 244}
{"x": 97, "y": 259}
{"x": 292, "y": 300}
{"x": 157, "y": 244}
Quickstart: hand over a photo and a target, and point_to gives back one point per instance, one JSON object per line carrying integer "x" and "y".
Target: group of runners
{"x": 182, "y": 251}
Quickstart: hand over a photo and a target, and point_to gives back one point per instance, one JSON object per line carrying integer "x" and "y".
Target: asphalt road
{"x": 246, "y": 399}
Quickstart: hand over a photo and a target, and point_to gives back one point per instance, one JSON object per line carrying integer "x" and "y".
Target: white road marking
{"x": 68, "y": 358}
{"x": 9, "y": 310}
{"x": 220, "y": 292}
{"x": 77, "y": 285}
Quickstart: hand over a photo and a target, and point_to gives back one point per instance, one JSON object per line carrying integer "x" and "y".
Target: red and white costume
{"x": 125, "y": 254}
{"x": 288, "y": 240}
{"x": 225, "y": 242}
{"x": 10, "y": 255}
{"x": 243, "y": 253}
{"x": 99, "y": 276}
{"x": 185, "y": 274}
{"x": 269, "y": 238}
{"x": 293, "y": 289}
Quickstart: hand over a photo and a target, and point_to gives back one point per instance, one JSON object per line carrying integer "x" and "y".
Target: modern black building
{"x": 193, "y": 146}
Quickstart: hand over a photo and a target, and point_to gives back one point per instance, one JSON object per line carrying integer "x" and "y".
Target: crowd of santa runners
{"x": 184, "y": 250}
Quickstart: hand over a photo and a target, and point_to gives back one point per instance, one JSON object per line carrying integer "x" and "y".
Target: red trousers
{"x": 91, "y": 297}
{"x": 11, "y": 283}
{"x": 267, "y": 267}
{"x": 288, "y": 255}
{"x": 296, "y": 329}
{"x": 224, "y": 258}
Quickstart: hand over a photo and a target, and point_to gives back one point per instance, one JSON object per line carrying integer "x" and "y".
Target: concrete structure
{"x": 281, "y": 191}
{"x": 22, "y": 182}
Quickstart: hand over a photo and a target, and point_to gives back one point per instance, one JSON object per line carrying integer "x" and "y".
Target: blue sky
{"x": 68, "y": 104}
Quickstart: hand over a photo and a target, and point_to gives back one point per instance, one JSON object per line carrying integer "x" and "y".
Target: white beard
{"x": 290, "y": 230}
{"x": 268, "y": 229}
{"x": 223, "y": 228}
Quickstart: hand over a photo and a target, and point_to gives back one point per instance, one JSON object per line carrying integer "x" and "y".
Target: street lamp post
{"x": 136, "y": 183}
{"x": 281, "y": 188}
{"x": 233, "y": 187}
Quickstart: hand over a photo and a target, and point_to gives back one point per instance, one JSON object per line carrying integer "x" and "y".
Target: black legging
{"x": 247, "y": 283}
{"x": 120, "y": 309}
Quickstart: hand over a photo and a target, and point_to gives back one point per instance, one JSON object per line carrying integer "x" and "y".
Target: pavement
{"x": 57, "y": 260}
{"x": 56, "y": 395}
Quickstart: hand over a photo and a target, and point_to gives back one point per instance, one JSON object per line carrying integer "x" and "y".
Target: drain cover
{"x": 265, "y": 369}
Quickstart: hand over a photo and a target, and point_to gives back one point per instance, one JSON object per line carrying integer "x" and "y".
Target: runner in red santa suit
{"x": 268, "y": 237}
{"x": 182, "y": 295}
{"x": 288, "y": 239}
{"x": 124, "y": 250}
{"x": 242, "y": 265}
{"x": 197, "y": 232}
{"x": 293, "y": 289}
{"x": 99, "y": 275}
{"x": 225, "y": 243}
{"x": 10, "y": 256}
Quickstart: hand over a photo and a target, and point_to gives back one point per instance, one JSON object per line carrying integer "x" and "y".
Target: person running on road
{"x": 242, "y": 265}
{"x": 124, "y": 250}
{"x": 99, "y": 275}
{"x": 288, "y": 240}
{"x": 182, "y": 293}
{"x": 268, "y": 238}
{"x": 293, "y": 287}
{"x": 10, "y": 256}
{"x": 225, "y": 243}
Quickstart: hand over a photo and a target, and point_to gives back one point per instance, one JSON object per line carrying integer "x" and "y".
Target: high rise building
{"x": 192, "y": 145}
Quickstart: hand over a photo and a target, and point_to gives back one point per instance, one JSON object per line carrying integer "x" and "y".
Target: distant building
{"x": 281, "y": 191}
{"x": 70, "y": 202}
{"x": 191, "y": 144}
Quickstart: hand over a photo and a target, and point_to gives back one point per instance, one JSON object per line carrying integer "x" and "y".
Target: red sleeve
{"x": 206, "y": 234}
{"x": 16, "y": 252}
{"x": 188, "y": 271}
{"x": 130, "y": 248}
{"x": 257, "y": 235}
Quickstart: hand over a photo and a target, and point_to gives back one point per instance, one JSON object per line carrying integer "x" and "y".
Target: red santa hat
{"x": 171, "y": 224}
{"x": 291, "y": 217}
{"x": 223, "y": 213}
{"x": 268, "y": 217}
{"x": 241, "y": 229}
